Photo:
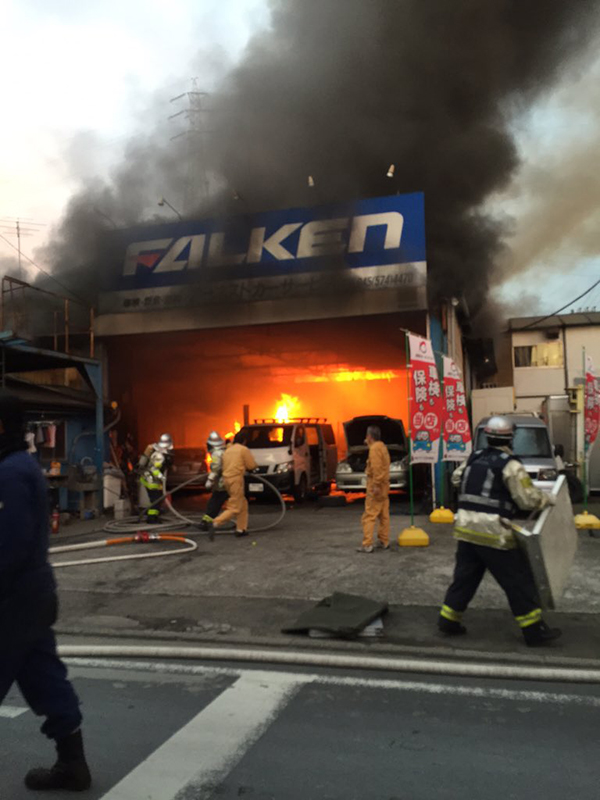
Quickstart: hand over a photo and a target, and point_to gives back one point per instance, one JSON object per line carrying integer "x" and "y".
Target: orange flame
{"x": 236, "y": 429}
{"x": 288, "y": 407}
{"x": 345, "y": 375}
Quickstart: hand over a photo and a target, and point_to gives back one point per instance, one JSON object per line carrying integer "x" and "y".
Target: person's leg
{"x": 368, "y": 521}
{"x": 384, "y": 522}
{"x": 242, "y": 519}
{"x": 153, "y": 512}
{"x": 468, "y": 574}
{"x": 42, "y": 679}
{"x": 235, "y": 495}
{"x": 511, "y": 570}
{"x": 215, "y": 503}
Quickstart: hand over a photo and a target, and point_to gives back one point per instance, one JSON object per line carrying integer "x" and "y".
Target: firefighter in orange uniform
{"x": 377, "y": 501}
{"x": 236, "y": 461}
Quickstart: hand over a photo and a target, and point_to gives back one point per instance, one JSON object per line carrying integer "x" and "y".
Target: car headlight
{"x": 344, "y": 467}
{"x": 547, "y": 475}
{"x": 289, "y": 465}
{"x": 396, "y": 466}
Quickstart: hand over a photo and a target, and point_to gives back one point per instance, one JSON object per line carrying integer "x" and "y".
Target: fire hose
{"x": 140, "y": 538}
{"x": 132, "y": 524}
{"x": 137, "y": 528}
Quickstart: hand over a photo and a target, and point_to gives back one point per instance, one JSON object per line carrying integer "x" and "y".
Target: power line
{"x": 43, "y": 271}
{"x": 570, "y": 303}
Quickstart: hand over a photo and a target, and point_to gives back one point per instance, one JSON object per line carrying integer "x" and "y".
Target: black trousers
{"x": 510, "y": 569}
{"x": 216, "y": 503}
{"x": 29, "y": 659}
{"x": 153, "y": 513}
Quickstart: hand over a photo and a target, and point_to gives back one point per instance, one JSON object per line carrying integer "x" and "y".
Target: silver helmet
{"x": 500, "y": 428}
{"x": 214, "y": 440}
{"x": 165, "y": 443}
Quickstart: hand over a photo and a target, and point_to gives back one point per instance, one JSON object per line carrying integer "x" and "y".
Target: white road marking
{"x": 10, "y": 712}
{"x": 205, "y": 750}
{"x": 425, "y": 687}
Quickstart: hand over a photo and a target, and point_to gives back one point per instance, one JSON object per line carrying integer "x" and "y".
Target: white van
{"x": 294, "y": 456}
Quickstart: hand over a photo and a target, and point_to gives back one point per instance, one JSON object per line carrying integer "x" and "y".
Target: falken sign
{"x": 377, "y": 243}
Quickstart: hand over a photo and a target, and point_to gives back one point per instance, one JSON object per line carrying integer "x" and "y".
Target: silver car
{"x": 531, "y": 443}
{"x": 350, "y": 475}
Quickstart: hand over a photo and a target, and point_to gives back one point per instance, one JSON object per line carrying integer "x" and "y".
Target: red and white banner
{"x": 591, "y": 404}
{"x": 425, "y": 402}
{"x": 458, "y": 442}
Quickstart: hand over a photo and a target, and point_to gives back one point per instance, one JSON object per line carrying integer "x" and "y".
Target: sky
{"x": 78, "y": 78}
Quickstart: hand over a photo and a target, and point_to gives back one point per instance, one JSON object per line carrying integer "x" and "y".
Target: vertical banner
{"x": 457, "y": 438}
{"x": 591, "y": 404}
{"x": 426, "y": 402}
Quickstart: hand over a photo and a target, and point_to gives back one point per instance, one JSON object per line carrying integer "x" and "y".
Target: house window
{"x": 546, "y": 354}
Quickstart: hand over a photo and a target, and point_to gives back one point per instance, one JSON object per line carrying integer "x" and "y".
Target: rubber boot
{"x": 451, "y": 628}
{"x": 540, "y": 634}
{"x": 70, "y": 772}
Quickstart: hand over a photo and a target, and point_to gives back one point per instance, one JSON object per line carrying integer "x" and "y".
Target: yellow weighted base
{"x": 413, "y": 537}
{"x": 441, "y": 515}
{"x": 587, "y": 521}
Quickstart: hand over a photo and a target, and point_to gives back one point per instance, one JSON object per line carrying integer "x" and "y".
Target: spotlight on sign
{"x": 391, "y": 171}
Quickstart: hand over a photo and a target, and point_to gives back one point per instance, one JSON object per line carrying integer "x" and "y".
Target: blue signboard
{"x": 370, "y": 233}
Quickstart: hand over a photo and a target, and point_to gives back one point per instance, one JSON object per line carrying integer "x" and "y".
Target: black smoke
{"x": 341, "y": 89}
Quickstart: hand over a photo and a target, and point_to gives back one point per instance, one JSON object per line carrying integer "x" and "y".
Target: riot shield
{"x": 550, "y": 544}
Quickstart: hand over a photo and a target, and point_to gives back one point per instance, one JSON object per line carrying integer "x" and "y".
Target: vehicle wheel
{"x": 300, "y": 490}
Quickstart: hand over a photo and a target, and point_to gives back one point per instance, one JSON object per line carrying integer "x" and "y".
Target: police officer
{"x": 28, "y": 608}
{"x": 153, "y": 465}
{"x": 494, "y": 488}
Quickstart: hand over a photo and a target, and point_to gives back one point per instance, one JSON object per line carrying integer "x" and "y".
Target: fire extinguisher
{"x": 55, "y": 521}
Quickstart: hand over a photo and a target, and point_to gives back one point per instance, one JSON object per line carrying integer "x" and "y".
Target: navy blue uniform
{"x": 28, "y": 603}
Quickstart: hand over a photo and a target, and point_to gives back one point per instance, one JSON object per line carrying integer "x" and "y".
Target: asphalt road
{"x": 214, "y": 732}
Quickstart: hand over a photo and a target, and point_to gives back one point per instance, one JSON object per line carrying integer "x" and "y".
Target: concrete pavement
{"x": 246, "y": 590}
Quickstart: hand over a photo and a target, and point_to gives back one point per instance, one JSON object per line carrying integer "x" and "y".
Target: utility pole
{"x": 195, "y": 151}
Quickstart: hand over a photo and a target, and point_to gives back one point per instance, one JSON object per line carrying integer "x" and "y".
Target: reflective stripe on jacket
{"x": 215, "y": 476}
{"x": 494, "y": 486}
{"x": 154, "y": 474}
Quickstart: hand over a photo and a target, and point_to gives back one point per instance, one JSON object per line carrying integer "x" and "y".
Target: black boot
{"x": 540, "y": 634}
{"x": 450, "y": 628}
{"x": 70, "y": 772}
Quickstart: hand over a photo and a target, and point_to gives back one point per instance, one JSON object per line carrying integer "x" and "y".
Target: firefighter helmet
{"x": 500, "y": 428}
{"x": 165, "y": 443}
{"x": 214, "y": 440}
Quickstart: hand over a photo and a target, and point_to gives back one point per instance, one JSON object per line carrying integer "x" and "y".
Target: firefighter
{"x": 236, "y": 461}
{"x": 494, "y": 488}
{"x": 154, "y": 465}
{"x": 28, "y": 608}
{"x": 214, "y": 483}
{"x": 377, "y": 500}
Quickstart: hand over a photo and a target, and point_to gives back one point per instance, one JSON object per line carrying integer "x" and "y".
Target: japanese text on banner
{"x": 457, "y": 438}
{"x": 426, "y": 402}
{"x": 591, "y": 404}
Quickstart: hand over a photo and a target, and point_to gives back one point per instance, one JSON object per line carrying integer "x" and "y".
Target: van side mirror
{"x": 559, "y": 450}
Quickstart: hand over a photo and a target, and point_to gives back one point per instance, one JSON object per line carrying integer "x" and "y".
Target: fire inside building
{"x": 296, "y": 313}
{"x": 211, "y": 324}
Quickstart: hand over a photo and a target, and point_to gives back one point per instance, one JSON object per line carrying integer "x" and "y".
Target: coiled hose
{"x": 132, "y": 524}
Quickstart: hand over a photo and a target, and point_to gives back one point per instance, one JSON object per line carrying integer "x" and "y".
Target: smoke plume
{"x": 341, "y": 89}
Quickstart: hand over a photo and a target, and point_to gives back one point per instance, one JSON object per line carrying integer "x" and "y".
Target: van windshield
{"x": 528, "y": 442}
{"x": 263, "y": 436}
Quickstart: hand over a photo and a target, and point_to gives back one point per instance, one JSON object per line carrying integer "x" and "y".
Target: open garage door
{"x": 192, "y": 382}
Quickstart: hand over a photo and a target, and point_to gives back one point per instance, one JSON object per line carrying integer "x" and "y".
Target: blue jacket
{"x": 26, "y": 577}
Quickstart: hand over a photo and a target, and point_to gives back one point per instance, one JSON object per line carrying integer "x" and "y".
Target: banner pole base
{"x": 587, "y": 521}
{"x": 442, "y": 516}
{"x": 413, "y": 537}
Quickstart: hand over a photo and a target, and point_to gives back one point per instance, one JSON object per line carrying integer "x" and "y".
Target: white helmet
{"x": 214, "y": 440}
{"x": 500, "y": 428}
{"x": 165, "y": 443}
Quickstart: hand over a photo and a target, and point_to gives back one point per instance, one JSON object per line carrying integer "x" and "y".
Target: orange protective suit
{"x": 236, "y": 461}
{"x": 377, "y": 501}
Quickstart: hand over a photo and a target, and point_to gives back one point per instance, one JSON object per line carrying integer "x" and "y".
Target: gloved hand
{"x": 256, "y": 470}
{"x": 208, "y": 485}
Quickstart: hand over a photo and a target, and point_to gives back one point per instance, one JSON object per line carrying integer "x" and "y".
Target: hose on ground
{"x": 139, "y": 539}
{"x": 132, "y": 524}
{"x": 432, "y": 666}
